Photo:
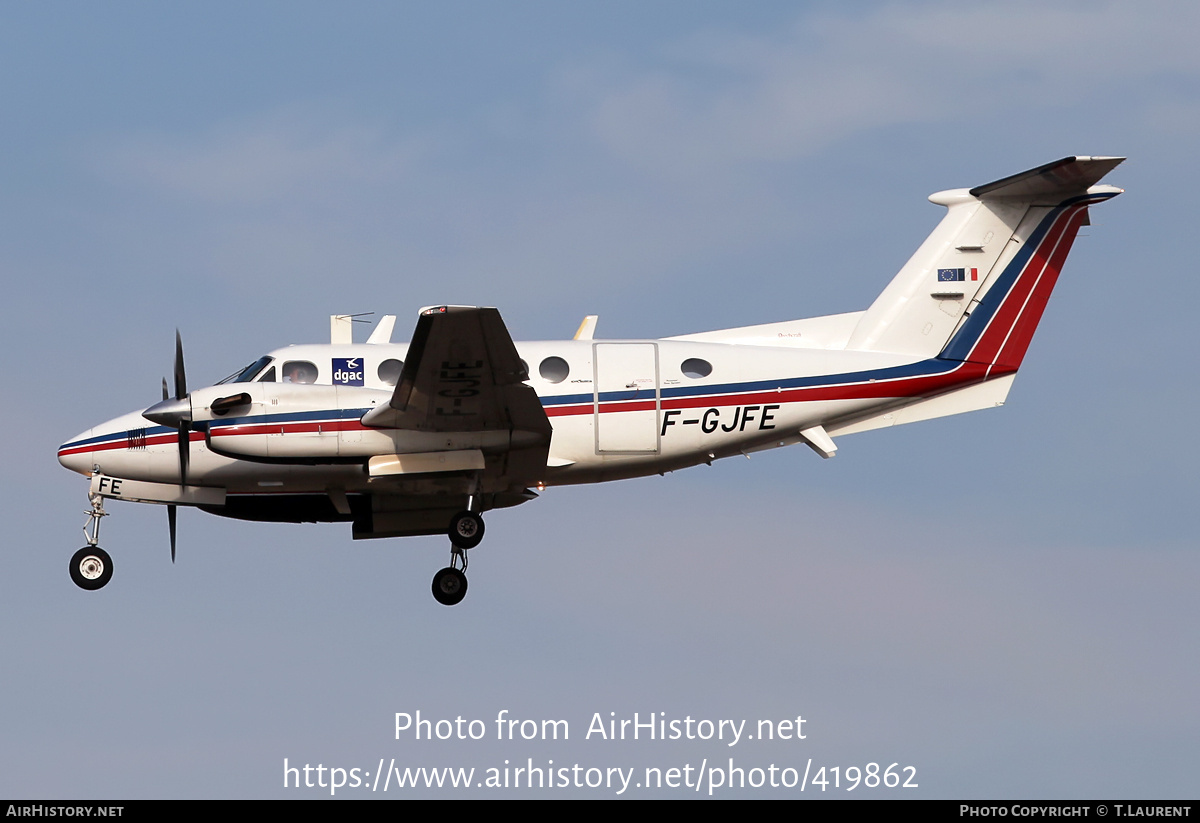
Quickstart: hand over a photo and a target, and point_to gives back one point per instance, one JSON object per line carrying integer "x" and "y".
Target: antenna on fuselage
{"x": 341, "y": 326}
{"x": 587, "y": 328}
{"x": 383, "y": 330}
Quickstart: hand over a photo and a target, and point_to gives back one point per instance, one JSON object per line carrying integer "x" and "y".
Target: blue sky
{"x": 1004, "y": 600}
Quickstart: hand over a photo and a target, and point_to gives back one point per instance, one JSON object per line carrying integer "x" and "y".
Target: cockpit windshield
{"x": 248, "y": 373}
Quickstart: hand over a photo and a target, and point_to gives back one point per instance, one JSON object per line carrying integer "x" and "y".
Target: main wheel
{"x": 449, "y": 586}
{"x": 91, "y": 568}
{"x": 466, "y": 530}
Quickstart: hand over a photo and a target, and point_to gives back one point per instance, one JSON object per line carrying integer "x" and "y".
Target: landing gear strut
{"x": 91, "y": 567}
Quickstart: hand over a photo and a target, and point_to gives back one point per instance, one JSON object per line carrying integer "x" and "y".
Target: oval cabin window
{"x": 695, "y": 368}
{"x": 389, "y": 371}
{"x": 554, "y": 369}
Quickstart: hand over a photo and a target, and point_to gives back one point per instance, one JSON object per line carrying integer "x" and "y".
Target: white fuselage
{"x": 618, "y": 409}
{"x": 946, "y": 336}
{"x": 353, "y": 433}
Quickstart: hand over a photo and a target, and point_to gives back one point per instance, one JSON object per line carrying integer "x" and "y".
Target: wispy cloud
{"x": 677, "y": 161}
{"x": 270, "y": 157}
{"x": 831, "y": 76}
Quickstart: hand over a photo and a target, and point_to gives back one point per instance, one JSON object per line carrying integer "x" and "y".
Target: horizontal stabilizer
{"x": 987, "y": 395}
{"x": 1060, "y": 178}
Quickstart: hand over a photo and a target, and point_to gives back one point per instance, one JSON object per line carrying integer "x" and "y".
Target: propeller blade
{"x": 171, "y": 523}
{"x": 166, "y": 395}
{"x": 180, "y": 377}
{"x": 185, "y": 440}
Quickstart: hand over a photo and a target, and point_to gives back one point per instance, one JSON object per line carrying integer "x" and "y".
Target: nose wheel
{"x": 91, "y": 567}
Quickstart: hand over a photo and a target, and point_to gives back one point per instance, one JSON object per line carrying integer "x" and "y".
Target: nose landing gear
{"x": 91, "y": 567}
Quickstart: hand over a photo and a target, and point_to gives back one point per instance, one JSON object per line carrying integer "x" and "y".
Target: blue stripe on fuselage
{"x": 922, "y": 368}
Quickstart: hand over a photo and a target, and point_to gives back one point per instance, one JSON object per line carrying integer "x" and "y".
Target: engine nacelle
{"x": 311, "y": 423}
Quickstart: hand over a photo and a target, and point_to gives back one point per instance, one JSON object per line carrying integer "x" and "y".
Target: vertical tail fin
{"x": 999, "y": 325}
{"x": 976, "y": 288}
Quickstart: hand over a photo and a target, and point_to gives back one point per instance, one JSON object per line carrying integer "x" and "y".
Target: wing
{"x": 463, "y": 376}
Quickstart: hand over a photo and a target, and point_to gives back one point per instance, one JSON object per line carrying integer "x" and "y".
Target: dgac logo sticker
{"x": 348, "y": 371}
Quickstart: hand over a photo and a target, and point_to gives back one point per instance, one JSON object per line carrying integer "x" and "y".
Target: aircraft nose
{"x": 76, "y": 453}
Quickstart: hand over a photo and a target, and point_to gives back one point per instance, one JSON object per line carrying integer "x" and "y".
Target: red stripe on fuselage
{"x": 962, "y": 375}
{"x": 122, "y": 442}
{"x": 307, "y": 426}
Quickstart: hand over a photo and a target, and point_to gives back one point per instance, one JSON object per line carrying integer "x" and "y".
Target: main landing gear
{"x": 91, "y": 567}
{"x": 450, "y": 584}
{"x": 466, "y": 530}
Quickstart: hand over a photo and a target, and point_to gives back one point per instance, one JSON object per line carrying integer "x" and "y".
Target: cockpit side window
{"x": 268, "y": 377}
{"x": 248, "y": 373}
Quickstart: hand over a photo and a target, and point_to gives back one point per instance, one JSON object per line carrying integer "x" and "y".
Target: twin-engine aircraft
{"x": 425, "y": 438}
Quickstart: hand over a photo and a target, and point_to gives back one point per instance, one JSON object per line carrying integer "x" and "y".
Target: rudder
{"x": 977, "y": 286}
{"x": 999, "y": 325}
